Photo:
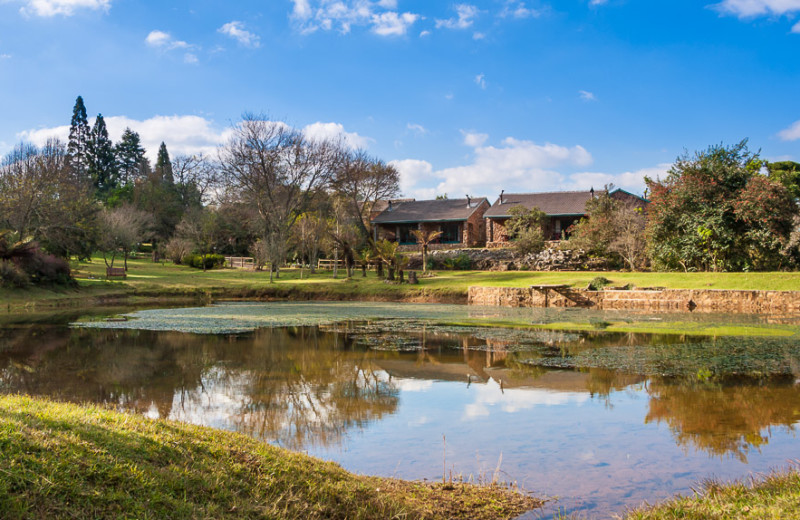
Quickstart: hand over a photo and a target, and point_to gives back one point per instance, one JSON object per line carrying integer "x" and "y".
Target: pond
{"x": 603, "y": 420}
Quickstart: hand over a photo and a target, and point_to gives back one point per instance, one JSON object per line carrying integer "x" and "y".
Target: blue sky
{"x": 464, "y": 98}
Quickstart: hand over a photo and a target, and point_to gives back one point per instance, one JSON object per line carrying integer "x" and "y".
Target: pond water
{"x": 602, "y": 420}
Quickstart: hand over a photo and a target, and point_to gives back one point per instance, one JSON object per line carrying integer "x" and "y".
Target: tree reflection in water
{"x": 308, "y": 386}
{"x": 294, "y": 386}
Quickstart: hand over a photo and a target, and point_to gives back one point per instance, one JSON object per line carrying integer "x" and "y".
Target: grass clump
{"x": 776, "y": 496}
{"x": 68, "y": 461}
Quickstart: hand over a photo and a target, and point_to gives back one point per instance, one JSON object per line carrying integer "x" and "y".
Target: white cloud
{"x": 517, "y": 165}
{"x": 49, "y": 8}
{"x": 237, "y": 31}
{"x": 321, "y": 130}
{"x": 478, "y": 36}
{"x": 164, "y": 40}
{"x": 513, "y": 400}
{"x": 586, "y": 95}
{"x": 417, "y": 128}
{"x": 342, "y": 15}
{"x": 792, "y": 133}
{"x": 424, "y": 33}
{"x": 796, "y": 28}
{"x": 5, "y": 56}
{"x": 392, "y": 24}
{"x": 517, "y": 9}
{"x": 473, "y": 139}
{"x": 190, "y": 58}
{"x": 631, "y": 181}
{"x": 182, "y": 134}
{"x": 465, "y": 16}
{"x": 597, "y": 2}
{"x": 752, "y": 8}
{"x": 480, "y": 80}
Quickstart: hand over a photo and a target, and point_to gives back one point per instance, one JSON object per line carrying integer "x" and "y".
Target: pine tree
{"x": 164, "y": 165}
{"x": 101, "y": 159}
{"x": 130, "y": 157}
{"x": 79, "y": 137}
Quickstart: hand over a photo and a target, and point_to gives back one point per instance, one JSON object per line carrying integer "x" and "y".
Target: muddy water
{"x": 602, "y": 420}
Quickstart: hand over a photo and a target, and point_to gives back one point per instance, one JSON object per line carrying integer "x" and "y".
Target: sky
{"x": 464, "y": 98}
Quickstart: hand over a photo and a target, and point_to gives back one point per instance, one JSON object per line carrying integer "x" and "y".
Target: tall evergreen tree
{"x": 130, "y": 157}
{"x": 79, "y": 138}
{"x": 164, "y": 165}
{"x": 101, "y": 159}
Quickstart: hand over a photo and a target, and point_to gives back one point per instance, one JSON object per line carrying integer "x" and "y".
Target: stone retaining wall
{"x": 702, "y": 300}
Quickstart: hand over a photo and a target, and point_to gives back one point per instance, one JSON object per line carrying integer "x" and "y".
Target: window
{"x": 404, "y": 235}
{"x": 451, "y": 233}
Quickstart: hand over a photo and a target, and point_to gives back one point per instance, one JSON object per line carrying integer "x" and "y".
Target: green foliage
{"x": 102, "y": 163}
{"x": 595, "y": 233}
{"x": 163, "y": 168}
{"x": 462, "y": 262}
{"x": 130, "y": 156}
{"x": 598, "y": 283}
{"x": 716, "y": 212}
{"x": 786, "y": 173}
{"x": 525, "y": 229}
{"x": 212, "y": 261}
{"x": 79, "y": 139}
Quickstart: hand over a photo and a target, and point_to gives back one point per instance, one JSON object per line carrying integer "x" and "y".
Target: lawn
{"x": 68, "y": 461}
{"x": 148, "y": 279}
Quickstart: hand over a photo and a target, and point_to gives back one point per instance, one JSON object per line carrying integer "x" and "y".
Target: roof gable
{"x": 431, "y": 211}
{"x": 552, "y": 203}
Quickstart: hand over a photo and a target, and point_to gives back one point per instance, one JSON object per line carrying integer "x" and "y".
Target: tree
{"x": 164, "y": 166}
{"x": 101, "y": 160}
{"x": 360, "y": 181}
{"x": 41, "y": 196}
{"x": 387, "y": 252}
{"x": 79, "y": 139}
{"x": 787, "y": 173}
{"x": 195, "y": 176}
{"x": 310, "y": 232}
{"x": 123, "y": 228}
{"x": 705, "y": 214}
{"x": 629, "y": 242}
{"x": 130, "y": 157}
{"x": 525, "y": 229}
{"x": 201, "y": 227}
{"x": 279, "y": 172}
{"x": 424, "y": 238}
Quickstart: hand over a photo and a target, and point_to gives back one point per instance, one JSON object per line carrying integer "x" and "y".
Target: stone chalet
{"x": 460, "y": 221}
{"x": 563, "y": 209}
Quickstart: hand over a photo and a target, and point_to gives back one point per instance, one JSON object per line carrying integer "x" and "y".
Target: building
{"x": 563, "y": 209}
{"x": 460, "y": 221}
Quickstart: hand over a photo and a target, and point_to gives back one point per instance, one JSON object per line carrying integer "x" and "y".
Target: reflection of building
{"x": 460, "y": 221}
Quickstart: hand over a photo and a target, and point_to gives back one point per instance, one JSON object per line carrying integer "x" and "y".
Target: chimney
{"x": 592, "y": 191}
{"x": 468, "y": 201}
{"x": 501, "y": 195}
{"x": 390, "y": 206}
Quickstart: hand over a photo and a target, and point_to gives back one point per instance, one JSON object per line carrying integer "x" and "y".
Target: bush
{"x": 177, "y": 249}
{"x": 460, "y": 263}
{"x": 12, "y": 276}
{"x": 211, "y": 261}
{"x": 47, "y": 269}
{"x": 529, "y": 241}
{"x": 598, "y": 283}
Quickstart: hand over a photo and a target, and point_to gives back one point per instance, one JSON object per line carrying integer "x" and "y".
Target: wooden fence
{"x": 240, "y": 262}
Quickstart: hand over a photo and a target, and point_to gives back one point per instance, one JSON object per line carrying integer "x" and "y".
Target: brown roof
{"x": 556, "y": 203}
{"x": 430, "y": 211}
{"x": 382, "y": 205}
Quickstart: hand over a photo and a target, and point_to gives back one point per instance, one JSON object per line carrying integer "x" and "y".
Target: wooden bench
{"x": 116, "y": 272}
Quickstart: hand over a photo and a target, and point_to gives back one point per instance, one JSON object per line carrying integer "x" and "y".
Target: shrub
{"x": 598, "y": 283}
{"x": 460, "y": 263}
{"x": 47, "y": 269}
{"x": 211, "y": 261}
{"x": 177, "y": 249}
{"x": 12, "y": 276}
{"x": 529, "y": 241}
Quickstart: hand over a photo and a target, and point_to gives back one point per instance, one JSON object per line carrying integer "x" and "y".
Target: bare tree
{"x": 360, "y": 182}
{"x": 629, "y": 242}
{"x": 201, "y": 227}
{"x": 310, "y": 234}
{"x": 122, "y": 229}
{"x": 195, "y": 176}
{"x": 277, "y": 170}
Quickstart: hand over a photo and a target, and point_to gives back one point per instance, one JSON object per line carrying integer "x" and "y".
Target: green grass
{"x": 68, "y": 461}
{"x": 776, "y": 496}
{"x": 149, "y": 280}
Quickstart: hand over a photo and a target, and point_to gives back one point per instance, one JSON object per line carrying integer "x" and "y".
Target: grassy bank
{"x": 148, "y": 280}
{"x": 776, "y": 496}
{"x": 62, "y": 460}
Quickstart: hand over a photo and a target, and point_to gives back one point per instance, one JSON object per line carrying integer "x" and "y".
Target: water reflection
{"x": 377, "y": 399}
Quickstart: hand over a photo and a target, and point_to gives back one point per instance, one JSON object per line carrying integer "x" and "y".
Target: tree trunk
{"x": 390, "y": 274}
{"x": 125, "y": 261}
{"x": 424, "y": 258}
{"x": 400, "y": 275}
